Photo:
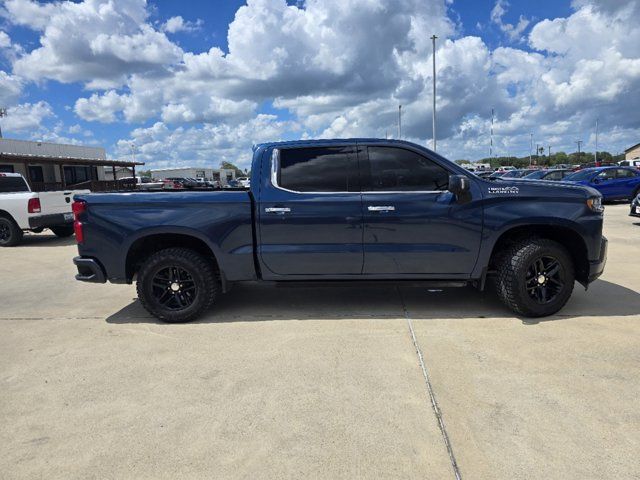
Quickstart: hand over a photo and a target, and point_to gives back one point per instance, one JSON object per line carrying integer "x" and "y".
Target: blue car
{"x": 614, "y": 183}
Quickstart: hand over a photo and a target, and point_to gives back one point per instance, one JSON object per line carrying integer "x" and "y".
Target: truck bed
{"x": 117, "y": 222}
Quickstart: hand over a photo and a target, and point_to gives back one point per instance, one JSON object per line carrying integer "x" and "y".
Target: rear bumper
{"x": 635, "y": 211}
{"x": 89, "y": 270}
{"x": 54, "y": 220}
{"x": 597, "y": 267}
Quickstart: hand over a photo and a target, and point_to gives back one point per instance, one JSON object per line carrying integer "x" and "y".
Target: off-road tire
{"x": 63, "y": 231}
{"x": 11, "y": 232}
{"x": 199, "y": 268}
{"x": 512, "y": 266}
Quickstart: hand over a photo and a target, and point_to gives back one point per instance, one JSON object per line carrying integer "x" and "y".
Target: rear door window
{"x": 319, "y": 169}
{"x": 624, "y": 173}
{"x": 12, "y": 184}
{"x": 397, "y": 169}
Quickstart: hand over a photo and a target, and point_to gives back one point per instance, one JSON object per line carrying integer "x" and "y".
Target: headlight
{"x": 595, "y": 204}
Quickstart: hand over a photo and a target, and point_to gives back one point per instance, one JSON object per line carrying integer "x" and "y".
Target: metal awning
{"x": 23, "y": 158}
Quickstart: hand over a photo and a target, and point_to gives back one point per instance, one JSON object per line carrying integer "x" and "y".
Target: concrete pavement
{"x": 316, "y": 382}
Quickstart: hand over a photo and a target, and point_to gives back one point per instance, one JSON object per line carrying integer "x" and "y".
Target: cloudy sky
{"x": 194, "y": 83}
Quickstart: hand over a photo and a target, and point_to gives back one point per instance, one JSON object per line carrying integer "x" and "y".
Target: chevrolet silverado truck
{"x": 346, "y": 211}
{"x": 23, "y": 210}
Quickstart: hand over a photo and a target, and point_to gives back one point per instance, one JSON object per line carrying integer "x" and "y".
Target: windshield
{"x": 538, "y": 174}
{"x": 580, "y": 176}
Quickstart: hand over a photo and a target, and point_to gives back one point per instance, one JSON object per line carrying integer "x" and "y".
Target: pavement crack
{"x": 432, "y": 397}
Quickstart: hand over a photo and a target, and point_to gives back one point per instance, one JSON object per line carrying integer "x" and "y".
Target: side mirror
{"x": 459, "y": 185}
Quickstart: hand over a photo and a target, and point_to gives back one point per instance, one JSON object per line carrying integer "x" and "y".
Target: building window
{"x": 6, "y": 169}
{"x": 73, "y": 175}
{"x": 35, "y": 173}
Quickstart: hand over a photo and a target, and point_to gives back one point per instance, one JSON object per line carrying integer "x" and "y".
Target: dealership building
{"x": 53, "y": 166}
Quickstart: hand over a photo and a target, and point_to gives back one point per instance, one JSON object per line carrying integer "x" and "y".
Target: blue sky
{"x": 195, "y": 83}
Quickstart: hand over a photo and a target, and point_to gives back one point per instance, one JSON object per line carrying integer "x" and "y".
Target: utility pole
{"x": 595, "y": 154}
{"x": 433, "y": 40}
{"x": 399, "y": 122}
{"x": 133, "y": 151}
{"x": 491, "y": 136}
{"x": 549, "y": 154}
{"x": 3, "y": 113}
{"x": 579, "y": 142}
{"x": 530, "y": 146}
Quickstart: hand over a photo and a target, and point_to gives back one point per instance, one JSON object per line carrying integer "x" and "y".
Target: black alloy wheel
{"x": 177, "y": 284}
{"x": 545, "y": 279}
{"x": 174, "y": 288}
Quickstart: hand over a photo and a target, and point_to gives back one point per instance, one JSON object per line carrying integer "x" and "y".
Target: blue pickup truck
{"x": 346, "y": 210}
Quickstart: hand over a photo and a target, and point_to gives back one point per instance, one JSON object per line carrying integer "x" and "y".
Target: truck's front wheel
{"x": 10, "y": 232}
{"x": 535, "y": 277}
{"x": 177, "y": 284}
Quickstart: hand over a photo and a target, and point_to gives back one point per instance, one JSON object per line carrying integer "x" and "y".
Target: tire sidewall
{"x": 145, "y": 287}
{"x": 542, "y": 249}
{"x": 15, "y": 233}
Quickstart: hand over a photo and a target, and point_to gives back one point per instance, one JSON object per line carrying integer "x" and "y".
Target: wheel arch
{"x": 568, "y": 237}
{"x": 146, "y": 245}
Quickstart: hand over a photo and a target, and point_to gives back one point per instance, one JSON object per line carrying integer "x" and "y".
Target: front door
{"x": 412, "y": 224}
{"x": 310, "y": 213}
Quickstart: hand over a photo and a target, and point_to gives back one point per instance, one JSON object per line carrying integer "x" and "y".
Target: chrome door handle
{"x": 281, "y": 210}
{"x": 381, "y": 208}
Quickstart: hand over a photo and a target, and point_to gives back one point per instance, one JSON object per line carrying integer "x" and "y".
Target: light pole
{"x": 530, "y": 146}
{"x": 491, "y": 136}
{"x": 579, "y": 142}
{"x": 3, "y": 113}
{"x": 433, "y": 40}
{"x": 399, "y": 122}
{"x": 595, "y": 154}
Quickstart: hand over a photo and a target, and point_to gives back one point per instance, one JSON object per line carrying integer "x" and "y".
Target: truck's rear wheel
{"x": 535, "y": 277}
{"x": 63, "y": 231}
{"x": 10, "y": 232}
{"x": 177, "y": 284}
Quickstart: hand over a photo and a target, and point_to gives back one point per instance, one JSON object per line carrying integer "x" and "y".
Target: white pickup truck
{"x": 21, "y": 210}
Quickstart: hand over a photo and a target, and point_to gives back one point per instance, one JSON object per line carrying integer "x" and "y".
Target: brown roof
{"x": 24, "y": 158}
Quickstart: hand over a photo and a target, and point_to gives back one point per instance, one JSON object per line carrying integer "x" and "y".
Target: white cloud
{"x": 10, "y": 88}
{"x": 340, "y": 69}
{"x": 514, "y": 32}
{"x": 99, "y": 42}
{"x": 179, "y": 24}
{"x": 26, "y": 117}
{"x": 100, "y": 108}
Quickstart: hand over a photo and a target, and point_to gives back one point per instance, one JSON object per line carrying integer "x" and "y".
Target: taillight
{"x": 34, "y": 205}
{"x": 77, "y": 208}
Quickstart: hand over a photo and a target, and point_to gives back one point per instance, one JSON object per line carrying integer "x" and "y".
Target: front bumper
{"x": 635, "y": 210}
{"x": 597, "y": 267}
{"x": 54, "y": 220}
{"x": 89, "y": 270}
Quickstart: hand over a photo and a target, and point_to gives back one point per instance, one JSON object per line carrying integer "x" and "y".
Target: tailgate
{"x": 57, "y": 202}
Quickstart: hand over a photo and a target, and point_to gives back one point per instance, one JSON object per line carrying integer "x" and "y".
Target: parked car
{"x": 496, "y": 174}
{"x": 593, "y": 165}
{"x": 346, "y": 210}
{"x": 516, "y": 173}
{"x": 144, "y": 183}
{"x": 630, "y": 163}
{"x": 23, "y": 210}
{"x": 484, "y": 173}
{"x": 555, "y": 174}
{"x": 232, "y": 184}
{"x": 614, "y": 183}
{"x": 244, "y": 182}
{"x": 187, "y": 183}
{"x": 635, "y": 207}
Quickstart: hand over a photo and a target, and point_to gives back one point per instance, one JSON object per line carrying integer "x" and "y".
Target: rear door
{"x": 626, "y": 182}
{"x": 310, "y": 212}
{"x": 412, "y": 224}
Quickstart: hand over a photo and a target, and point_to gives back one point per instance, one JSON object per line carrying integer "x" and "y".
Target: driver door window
{"x": 399, "y": 170}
